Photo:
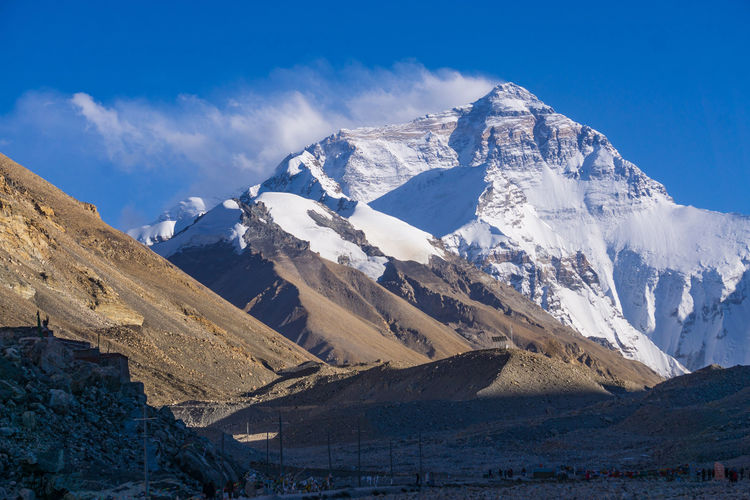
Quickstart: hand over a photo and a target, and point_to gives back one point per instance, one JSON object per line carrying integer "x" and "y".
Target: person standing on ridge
{"x": 46, "y": 332}
{"x": 38, "y": 323}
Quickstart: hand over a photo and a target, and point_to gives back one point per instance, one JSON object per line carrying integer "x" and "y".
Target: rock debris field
{"x": 604, "y": 489}
{"x": 70, "y": 425}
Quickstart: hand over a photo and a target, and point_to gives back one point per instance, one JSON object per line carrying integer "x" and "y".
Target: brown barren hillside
{"x": 332, "y": 310}
{"x": 412, "y": 314}
{"x": 481, "y": 308}
{"x": 98, "y": 284}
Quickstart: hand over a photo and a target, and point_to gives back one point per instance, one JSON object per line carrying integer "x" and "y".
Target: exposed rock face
{"x": 550, "y": 207}
{"x": 171, "y": 221}
{"x": 484, "y": 310}
{"x": 66, "y": 421}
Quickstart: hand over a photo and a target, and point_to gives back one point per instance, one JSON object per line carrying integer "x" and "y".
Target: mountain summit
{"x": 548, "y": 206}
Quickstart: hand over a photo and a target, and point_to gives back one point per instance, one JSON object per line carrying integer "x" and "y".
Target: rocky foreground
{"x": 600, "y": 489}
{"x": 70, "y": 426}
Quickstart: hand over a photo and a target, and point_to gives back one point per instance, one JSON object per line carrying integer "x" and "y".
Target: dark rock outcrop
{"x": 71, "y": 420}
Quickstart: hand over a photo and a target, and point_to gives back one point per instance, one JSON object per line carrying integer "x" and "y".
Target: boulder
{"x": 12, "y": 354}
{"x": 201, "y": 467}
{"x": 61, "y": 381}
{"x": 56, "y": 485}
{"x": 5, "y": 392}
{"x": 39, "y": 408}
{"x": 26, "y": 494}
{"x": 51, "y": 356}
{"x": 29, "y": 460}
{"x": 91, "y": 417}
{"x": 60, "y": 401}
{"x": 51, "y": 461}
{"x": 29, "y": 420}
{"x": 10, "y": 390}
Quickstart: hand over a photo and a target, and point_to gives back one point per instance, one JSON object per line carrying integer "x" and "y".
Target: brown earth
{"x": 481, "y": 308}
{"x": 413, "y": 314}
{"x": 98, "y": 284}
{"x": 332, "y": 310}
{"x": 493, "y": 408}
{"x": 394, "y": 399}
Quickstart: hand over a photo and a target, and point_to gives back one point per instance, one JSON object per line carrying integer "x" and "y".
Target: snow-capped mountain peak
{"x": 549, "y": 206}
{"x": 509, "y": 99}
{"x": 170, "y": 222}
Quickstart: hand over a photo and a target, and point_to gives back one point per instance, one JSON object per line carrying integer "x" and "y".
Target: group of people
{"x": 683, "y": 471}
{"x": 230, "y": 490}
{"x": 732, "y": 475}
{"x": 504, "y": 473}
{"x": 253, "y": 485}
{"x": 42, "y": 326}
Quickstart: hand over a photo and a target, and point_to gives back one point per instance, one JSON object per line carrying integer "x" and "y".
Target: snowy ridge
{"x": 170, "y": 222}
{"x": 393, "y": 236}
{"x": 221, "y": 223}
{"x": 309, "y": 221}
{"x": 292, "y": 214}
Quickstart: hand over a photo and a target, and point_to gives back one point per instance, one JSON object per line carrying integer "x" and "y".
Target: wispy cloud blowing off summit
{"x": 218, "y": 143}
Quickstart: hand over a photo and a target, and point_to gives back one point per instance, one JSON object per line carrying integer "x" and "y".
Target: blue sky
{"x": 134, "y": 105}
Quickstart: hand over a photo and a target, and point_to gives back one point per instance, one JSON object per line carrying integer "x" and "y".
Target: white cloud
{"x": 408, "y": 95}
{"x": 220, "y": 145}
{"x": 121, "y": 139}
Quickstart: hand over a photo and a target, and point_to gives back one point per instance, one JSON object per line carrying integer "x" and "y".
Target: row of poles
{"x": 330, "y": 458}
{"x": 145, "y": 420}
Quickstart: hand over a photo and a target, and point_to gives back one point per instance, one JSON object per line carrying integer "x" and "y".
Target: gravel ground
{"x": 598, "y": 489}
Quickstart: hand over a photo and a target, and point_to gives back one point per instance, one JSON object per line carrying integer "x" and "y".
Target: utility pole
{"x": 247, "y": 430}
{"x": 281, "y": 450}
{"x": 390, "y": 453}
{"x": 268, "y": 456}
{"x": 359, "y": 453}
{"x": 249, "y": 448}
{"x": 145, "y": 450}
{"x": 330, "y": 468}
{"x": 420, "y": 456}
